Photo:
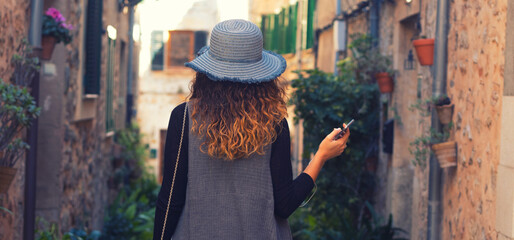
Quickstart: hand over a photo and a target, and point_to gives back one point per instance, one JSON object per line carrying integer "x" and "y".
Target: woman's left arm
{"x": 179, "y": 189}
{"x": 288, "y": 194}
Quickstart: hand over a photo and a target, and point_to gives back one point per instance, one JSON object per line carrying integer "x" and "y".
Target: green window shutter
{"x": 276, "y": 32}
{"x": 282, "y": 35}
{"x": 109, "y": 101}
{"x": 263, "y": 30}
{"x": 269, "y": 31}
{"x": 311, "y": 8}
{"x": 93, "y": 47}
{"x": 291, "y": 29}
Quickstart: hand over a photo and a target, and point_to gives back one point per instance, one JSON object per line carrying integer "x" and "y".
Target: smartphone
{"x": 340, "y": 134}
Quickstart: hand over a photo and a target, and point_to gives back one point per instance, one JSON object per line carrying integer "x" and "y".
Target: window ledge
{"x": 90, "y": 96}
{"x": 109, "y": 134}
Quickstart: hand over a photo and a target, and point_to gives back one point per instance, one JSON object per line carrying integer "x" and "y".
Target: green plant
{"x": 133, "y": 155}
{"x": 17, "y": 111}
{"x": 373, "y": 227}
{"x": 131, "y": 215}
{"x": 366, "y": 59}
{"x": 396, "y": 116}
{"x": 420, "y": 147}
{"x": 50, "y": 231}
{"x": 46, "y": 230}
{"x": 54, "y": 24}
{"x": 325, "y": 101}
{"x": 25, "y": 63}
{"x": 80, "y": 234}
{"x": 6, "y": 210}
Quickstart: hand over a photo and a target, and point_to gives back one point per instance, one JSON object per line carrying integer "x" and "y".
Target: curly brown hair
{"x": 236, "y": 120}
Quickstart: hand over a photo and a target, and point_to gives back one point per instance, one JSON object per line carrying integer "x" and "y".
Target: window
{"x": 93, "y": 47}
{"x": 181, "y": 47}
{"x": 157, "y": 51}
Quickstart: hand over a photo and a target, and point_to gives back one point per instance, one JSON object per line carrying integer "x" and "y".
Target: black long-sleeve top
{"x": 288, "y": 194}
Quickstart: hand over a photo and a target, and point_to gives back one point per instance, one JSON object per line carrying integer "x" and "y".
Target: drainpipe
{"x": 438, "y": 89}
{"x": 130, "y": 72}
{"x": 338, "y": 53}
{"x": 298, "y": 128}
{"x": 29, "y": 213}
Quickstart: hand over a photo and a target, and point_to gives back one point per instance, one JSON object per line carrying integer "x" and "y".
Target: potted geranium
{"x": 55, "y": 30}
{"x": 424, "y": 50}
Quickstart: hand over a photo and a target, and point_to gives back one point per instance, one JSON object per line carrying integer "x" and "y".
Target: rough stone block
{"x": 505, "y": 201}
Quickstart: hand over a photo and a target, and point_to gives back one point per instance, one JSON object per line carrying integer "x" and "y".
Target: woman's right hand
{"x": 330, "y": 148}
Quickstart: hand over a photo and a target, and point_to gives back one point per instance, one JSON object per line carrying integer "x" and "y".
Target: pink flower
{"x": 55, "y": 14}
{"x": 67, "y": 26}
{"x": 52, "y": 12}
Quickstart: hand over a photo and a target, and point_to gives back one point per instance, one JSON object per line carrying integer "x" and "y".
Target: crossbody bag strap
{"x": 175, "y": 171}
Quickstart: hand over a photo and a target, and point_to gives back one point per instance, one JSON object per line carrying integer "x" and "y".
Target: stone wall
{"x": 86, "y": 149}
{"x": 476, "y": 44}
{"x": 74, "y": 161}
{"x": 14, "y": 25}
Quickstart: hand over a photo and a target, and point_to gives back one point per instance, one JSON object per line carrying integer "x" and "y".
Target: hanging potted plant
{"x": 446, "y": 153}
{"x": 424, "y": 50}
{"x": 383, "y": 72}
{"x": 17, "y": 110}
{"x": 431, "y": 140}
{"x": 55, "y": 30}
{"x": 444, "y": 108}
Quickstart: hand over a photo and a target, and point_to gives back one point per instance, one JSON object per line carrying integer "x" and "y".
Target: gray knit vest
{"x": 229, "y": 199}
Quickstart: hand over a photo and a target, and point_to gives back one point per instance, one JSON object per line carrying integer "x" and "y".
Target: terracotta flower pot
{"x": 385, "y": 82}
{"x": 446, "y": 153}
{"x": 6, "y": 176}
{"x": 47, "y": 45}
{"x": 425, "y": 50}
{"x": 445, "y": 113}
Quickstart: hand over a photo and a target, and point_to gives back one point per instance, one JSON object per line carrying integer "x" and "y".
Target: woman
{"x": 234, "y": 175}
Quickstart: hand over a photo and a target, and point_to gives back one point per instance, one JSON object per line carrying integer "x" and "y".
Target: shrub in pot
{"x": 17, "y": 110}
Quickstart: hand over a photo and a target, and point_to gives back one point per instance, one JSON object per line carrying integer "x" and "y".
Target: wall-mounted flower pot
{"x": 385, "y": 82}
{"x": 425, "y": 50}
{"x": 6, "y": 176}
{"x": 445, "y": 113}
{"x": 446, "y": 153}
{"x": 47, "y": 45}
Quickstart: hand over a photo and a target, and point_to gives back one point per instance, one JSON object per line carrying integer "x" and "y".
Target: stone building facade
{"x": 14, "y": 26}
{"x": 476, "y": 196}
{"x": 76, "y": 127}
{"x": 475, "y": 199}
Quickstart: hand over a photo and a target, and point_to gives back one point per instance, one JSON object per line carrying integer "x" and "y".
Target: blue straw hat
{"x": 235, "y": 54}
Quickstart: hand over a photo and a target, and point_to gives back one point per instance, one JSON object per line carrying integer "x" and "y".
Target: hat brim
{"x": 268, "y": 68}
